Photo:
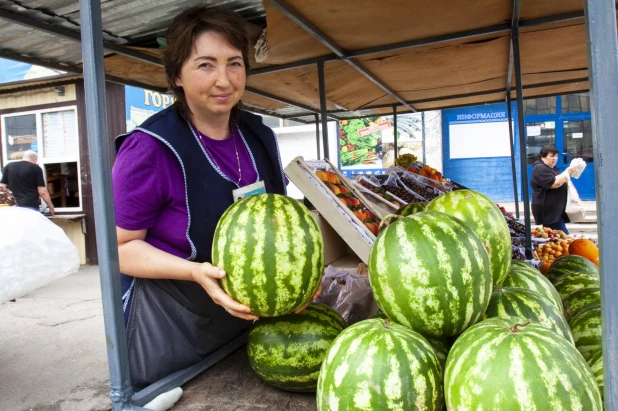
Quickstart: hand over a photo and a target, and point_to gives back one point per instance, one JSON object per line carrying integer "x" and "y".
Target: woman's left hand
{"x": 315, "y": 297}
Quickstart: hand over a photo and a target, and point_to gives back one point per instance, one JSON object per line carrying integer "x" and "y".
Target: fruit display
{"x": 411, "y": 208}
{"x": 287, "y": 352}
{"x": 381, "y": 191}
{"x": 585, "y": 248}
{"x": 571, "y": 264}
{"x": 402, "y": 193}
{"x": 551, "y": 250}
{"x": 513, "y": 364}
{"x": 377, "y": 364}
{"x": 419, "y": 187}
{"x": 405, "y": 160}
{"x": 596, "y": 366}
{"x": 566, "y": 284}
{"x": 546, "y": 232}
{"x": 520, "y": 302}
{"x": 271, "y": 248}
{"x": 586, "y": 327}
{"x": 579, "y": 300}
{"x": 480, "y": 214}
{"x": 425, "y": 171}
{"x": 430, "y": 272}
{"x": 523, "y": 275}
{"x": 347, "y": 197}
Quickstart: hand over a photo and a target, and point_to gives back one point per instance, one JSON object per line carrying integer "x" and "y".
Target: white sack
{"x": 33, "y": 252}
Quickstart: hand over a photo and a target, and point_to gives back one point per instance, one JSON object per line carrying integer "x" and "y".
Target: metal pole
{"x": 423, "y": 135}
{"x": 395, "y": 129}
{"x": 317, "y": 134}
{"x": 323, "y": 108}
{"x": 100, "y": 160}
{"x": 603, "y": 73}
{"x": 511, "y": 142}
{"x": 523, "y": 140}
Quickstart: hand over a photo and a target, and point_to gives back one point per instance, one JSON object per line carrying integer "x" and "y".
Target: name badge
{"x": 250, "y": 190}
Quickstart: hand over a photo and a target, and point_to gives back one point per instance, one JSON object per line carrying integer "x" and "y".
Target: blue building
{"x": 476, "y": 149}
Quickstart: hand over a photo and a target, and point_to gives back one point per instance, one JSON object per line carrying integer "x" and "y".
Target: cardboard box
{"x": 334, "y": 246}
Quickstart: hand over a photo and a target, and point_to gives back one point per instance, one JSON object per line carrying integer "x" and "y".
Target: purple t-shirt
{"x": 149, "y": 188}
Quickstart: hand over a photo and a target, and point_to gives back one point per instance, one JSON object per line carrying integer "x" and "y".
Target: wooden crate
{"x": 356, "y": 235}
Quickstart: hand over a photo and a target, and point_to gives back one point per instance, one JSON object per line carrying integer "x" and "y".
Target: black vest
{"x": 208, "y": 192}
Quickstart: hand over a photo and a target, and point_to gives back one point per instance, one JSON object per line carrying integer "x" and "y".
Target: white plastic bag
{"x": 574, "y": 208}
{"x": 33, "y": 252}
{"x": 579, "y": 165}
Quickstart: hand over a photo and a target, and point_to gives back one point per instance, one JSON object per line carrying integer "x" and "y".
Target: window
{"x": 544, "y": 105}
{"x": 53, "y": 135}
{"x": 576, "y": 103}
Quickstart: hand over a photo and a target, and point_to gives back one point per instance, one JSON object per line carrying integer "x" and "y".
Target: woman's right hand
{"x": 208, "y": 277}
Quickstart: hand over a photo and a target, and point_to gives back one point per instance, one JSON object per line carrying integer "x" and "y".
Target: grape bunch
{"x": 401, "y": 193}
{"x": 426, "y": 192}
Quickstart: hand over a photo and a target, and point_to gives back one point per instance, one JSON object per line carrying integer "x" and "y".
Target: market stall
{"x": 319, "y": 62}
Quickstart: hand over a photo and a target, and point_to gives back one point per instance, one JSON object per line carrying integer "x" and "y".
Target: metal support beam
{"x": 603, "y": 72}
{"x": 317, "y": 135}
{"x": 509, "y": 109}
{"x": 322, "y": 38}
{"x": 423, "y": 137}
{"x": 395, "y": 130}
{"x": 322, "y": 87}
{"x": 107, "y": 246}
{"x": 75, "y": 36}
{"x": 523, "y": 140}
{"x": 286, "y": 101}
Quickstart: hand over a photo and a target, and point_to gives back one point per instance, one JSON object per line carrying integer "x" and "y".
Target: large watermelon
{"x": 571, "y": 264}
{"x": 579, "y": 300}
{"x": 507, "y": 364}
{"x": 430, "y": 272}
{"x": 520, "y": 302}
{"x": 486, "y": 220}
{"x": 380, "y": 365}
{"x": 287, "y": 351}
{"x": 596, "y": 366}
{"x": 271, "y": 248}
{"x": 411, "y": 208}
{"x": 586, "y": 327}
{"x": 523, "y": 275}
{"x": 570, "y": 282}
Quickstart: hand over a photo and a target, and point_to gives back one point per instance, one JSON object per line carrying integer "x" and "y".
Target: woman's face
{"x": 551, "y": 159}
{"x": 213, "y": 77}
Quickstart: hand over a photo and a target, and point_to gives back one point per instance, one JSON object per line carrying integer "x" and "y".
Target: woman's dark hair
{"x": 181, "y": 35}
{"x": 546, "y": 150}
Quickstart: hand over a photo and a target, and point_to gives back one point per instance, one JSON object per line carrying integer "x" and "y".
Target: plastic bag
{"x": 579, "y": 165}
{"x": 395, "y": 187}
{"x": 33, "y": 252}
{"x": 347, "y": 293}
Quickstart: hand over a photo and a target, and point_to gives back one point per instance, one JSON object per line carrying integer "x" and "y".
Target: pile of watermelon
{"x": 460, "y": 327}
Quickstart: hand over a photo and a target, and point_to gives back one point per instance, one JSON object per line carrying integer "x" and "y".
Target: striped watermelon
{"x": 486, "y": 220}
{"x": 287, "y": 351}
{"x": 586, "y": 327}
{"x": 271, "y": 248}
{"x": 520, "y": 302}
{"x": 568, "y": 283}
{"x": 507, "y": 364}
{"x": 380, "y": 365}
{"x": 580, "y": 300}
{"x": 411, "y": 208}
{"x": 523, "y": 275}
{"x": 596, "y": 366}
{"x": 571, "y": 264}
{"x": 430, "y": 272}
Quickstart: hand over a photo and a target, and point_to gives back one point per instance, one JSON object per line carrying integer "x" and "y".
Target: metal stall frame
{"x": 600, "y": 20}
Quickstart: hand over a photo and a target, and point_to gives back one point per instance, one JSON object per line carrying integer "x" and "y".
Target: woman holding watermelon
{"x": 173, "y": 179}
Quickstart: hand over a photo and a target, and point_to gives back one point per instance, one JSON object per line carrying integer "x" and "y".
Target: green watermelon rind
{"x": 430, "y": 272}
{"x": 579, "y": 300}
{"x": 376, "y": 364}
{"x": 587, "y": 332}
{"x": 491, "y": 367}
{"x": 570, "y": 263}
{"x": 532, "y": 279}
{"x": 486, "y": 220}
{"x": 271, "y": 248}
{"x": 570, "y": 282}
{"x": 596, "y": 366}
{"x": 524, "y": 303}
{"x": 287, "y": 352}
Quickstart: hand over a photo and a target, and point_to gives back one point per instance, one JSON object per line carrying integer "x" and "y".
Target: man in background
{"x": 25, "y": 179}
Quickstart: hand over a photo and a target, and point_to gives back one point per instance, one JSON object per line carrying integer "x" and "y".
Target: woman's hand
{"x": 208, "y": 276}
{"x": 315, "y": 297}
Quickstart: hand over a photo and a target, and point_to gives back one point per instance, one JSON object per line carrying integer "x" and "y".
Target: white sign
{"x": 479, "y": 140}
{"x": 533, "y": 131}
{"x": 578, "y": 135}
